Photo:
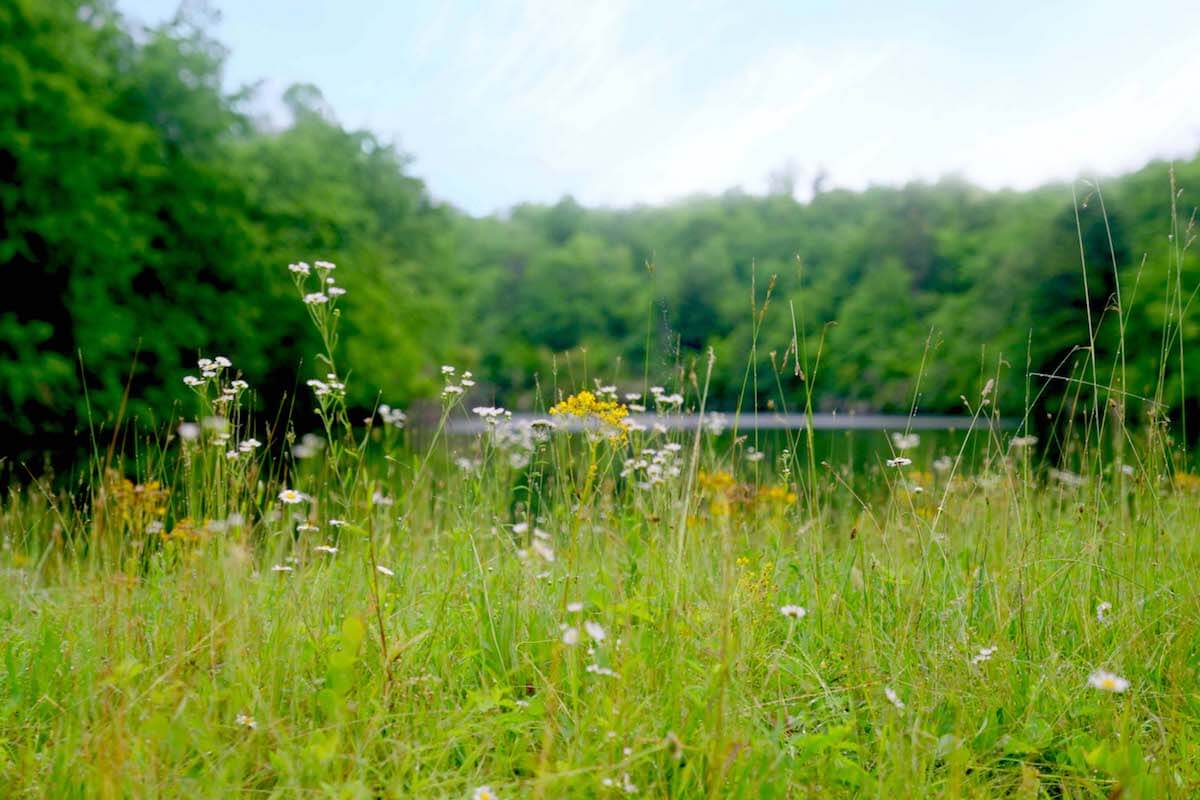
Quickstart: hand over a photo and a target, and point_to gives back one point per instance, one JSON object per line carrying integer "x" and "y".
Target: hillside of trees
{"x": 147, "y": 217}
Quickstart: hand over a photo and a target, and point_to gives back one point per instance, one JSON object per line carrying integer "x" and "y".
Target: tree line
{"x": 147, "y": 217}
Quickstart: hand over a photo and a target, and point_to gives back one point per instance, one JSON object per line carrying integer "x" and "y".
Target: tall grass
{"x": 532, "y": 613}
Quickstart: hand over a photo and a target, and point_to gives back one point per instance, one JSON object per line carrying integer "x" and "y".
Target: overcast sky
{"x": 619, "y": 102}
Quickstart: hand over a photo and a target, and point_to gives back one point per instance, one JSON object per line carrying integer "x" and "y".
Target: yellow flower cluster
{"x": 1187, "y": 482}
{"x": 776, "y": 494}
{"x": 585, "y": 405}
{"x": 134, "y": 505}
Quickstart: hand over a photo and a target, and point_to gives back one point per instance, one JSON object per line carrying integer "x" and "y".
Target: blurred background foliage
{"x": 147, "y": 217}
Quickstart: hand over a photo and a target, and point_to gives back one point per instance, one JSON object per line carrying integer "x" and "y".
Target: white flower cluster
{"x": 653, "y": 466}
{"x": 715, "y": 423}
{"x": 310, "y": 445}
{"x": 393, "y": 417}
{"x": 519, "y": 439}
{"x": 491, "y": 414}
{"x": 329, "y": 289}
{"x": 905, "y": 441}
{"x": 211, "y": 372}
{"x": 664, "y": 401}
{"x": 331, "y": 386}
{"x": 453, "y": 388}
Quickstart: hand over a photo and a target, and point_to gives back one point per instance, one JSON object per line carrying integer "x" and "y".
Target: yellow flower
{"x": 586, "y": 405}
{"x": 1187, "y": 482}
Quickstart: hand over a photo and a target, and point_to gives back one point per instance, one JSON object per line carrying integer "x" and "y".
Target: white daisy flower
{"x": 316, "y": 298}
{"x": 300, "y": 268}
{"x": 984, "y": 654}
{"x": 326, "y": 548}
{"x": 595, "y": 630}
{"x": 596, "y": 669}
{"x": 291, "y": 497}
{"x": 795, "y": 612}
{"x": 899, "y": 461}
{"x": 570, "y": 635}
{"x": 1108, "y": 682}
{"x": 246, "y": 721}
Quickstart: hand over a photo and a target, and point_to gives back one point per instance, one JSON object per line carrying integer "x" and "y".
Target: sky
{"x": 622, "y": 102}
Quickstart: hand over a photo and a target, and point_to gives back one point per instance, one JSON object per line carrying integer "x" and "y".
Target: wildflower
{"x": 795, "y": 612}
{"x": 305, "y": 527}
{"x": 291, "y": 497}
{"x": 893, "y": 698}
{"x": 905, "y": 441}
{"x": 570, "y": 635}
{"x": 451, "y": 389}
{"x": 1108, "y": 682}
{"x": 753, "y": 455}
{"x": 249, "y": 444}
{"x": 544, "y": 550}
{"x": 943, "y": 464}
{"x": 326, "y": 548}
{"x": 538, "y": 533}
{"x": 337, "y": 523}
{"x": 223, "y": 362}
{"x": 984, "y": 654}
{"x": 316, "y": 298}
{"x": 246, "y": 721}
{"x": 586, "y": 405}
{"x": 392, "y": 416}
{"x": 325, "y": 265}
{"x": 335, "y": 291}
{"x": 281, "y": 568}
{"x": 1102, "y": 612}
{"x": 309, "y": 445}
{"x": 382, "y": 570}
{"x": 300, "y": 268}
{"x": 192, "y": 380}
{"x": 899, "y": 461}
{"x": 188, "y": 431}
{"x": 381, "y": 499}
{"x": 1066, "y": 478}
{"x": 575, "y": 608}
{"x": 1023, "y": 441}
{"x": 596, "y": 669}
{"x": 716, "y": 422}
{"x": 484, "y": 793}
{"x": 489, "y": 414}
{"x": 231, "y": 455}
{"x": 447, "y": 369}
{"x": 594, "y": 630}
{"x": 239, "y": 386}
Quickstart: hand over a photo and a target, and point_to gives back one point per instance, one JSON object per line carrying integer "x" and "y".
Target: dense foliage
{"x": 145, "y": 216}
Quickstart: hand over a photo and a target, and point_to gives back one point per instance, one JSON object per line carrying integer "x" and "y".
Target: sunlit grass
{"x": 621, "y": 610}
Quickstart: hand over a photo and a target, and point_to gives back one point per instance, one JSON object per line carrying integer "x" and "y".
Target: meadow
{"x": 229, "y": 608}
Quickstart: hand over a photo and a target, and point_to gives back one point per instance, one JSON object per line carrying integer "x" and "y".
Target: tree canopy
{"x": 146, "y": 217}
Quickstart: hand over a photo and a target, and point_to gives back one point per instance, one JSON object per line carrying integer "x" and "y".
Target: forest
{"x": 148, "y": 214}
